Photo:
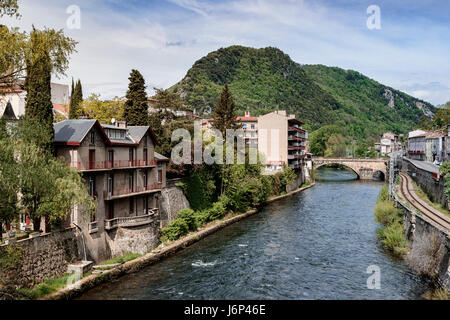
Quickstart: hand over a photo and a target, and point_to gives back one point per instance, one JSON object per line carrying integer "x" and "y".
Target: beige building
{"x": 124, "y": 174}
{"x": 282, "y": 140}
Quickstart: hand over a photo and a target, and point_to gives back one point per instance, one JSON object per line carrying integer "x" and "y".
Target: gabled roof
{"x": 159, "y": 157}
{"x": 72, "y": 132}
{"x": 8, "y": 113}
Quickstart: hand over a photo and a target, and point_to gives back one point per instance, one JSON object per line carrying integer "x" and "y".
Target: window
{"x": 110, "y": 184}
{"x": 122, "y": 134}
{"x": 131, "y": 205}
{"x": 131, "y": 156}
{"x": 91, "y": 186}
{"x": 145, "y": 156}
{"x": 92, "y": 138}
{"x": 253, "y": 126}
{"x": 111, "y": 158}
{"x": 131, "y": 182}
{"x": 159, "y": 174}
{"x": 144, "y": 179}
{"x": 91, "y": 159}
{"x": 144, "y": 204}
{"x": 111, "y": 210}
{"x": 145, "y": 140}
{"x": 244, "y": 126}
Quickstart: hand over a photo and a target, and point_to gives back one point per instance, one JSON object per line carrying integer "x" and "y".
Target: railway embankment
{"x": 428, "y": 233}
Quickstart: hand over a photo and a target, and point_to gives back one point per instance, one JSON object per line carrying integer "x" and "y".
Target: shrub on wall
{"x": 188, "y": 215}
{"x": 175, "y": 229}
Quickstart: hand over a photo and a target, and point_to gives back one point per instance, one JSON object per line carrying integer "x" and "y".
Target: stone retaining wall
{"x": 31, "y": 261}
{"x": 429, "y": 253}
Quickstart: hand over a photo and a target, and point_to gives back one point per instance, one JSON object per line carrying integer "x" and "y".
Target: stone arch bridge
{"x": 364, "y": 168}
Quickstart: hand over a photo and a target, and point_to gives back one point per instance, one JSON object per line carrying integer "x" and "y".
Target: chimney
{"x": 247, "y": 113}
{"x": 121, "y": 123}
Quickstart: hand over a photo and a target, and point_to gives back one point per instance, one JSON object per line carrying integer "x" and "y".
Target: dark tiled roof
{"x": 9, "y": 114}
{"x": 137, "y": 132}
{"x": 160, "y": 157}
{"x": 72, "y": 130}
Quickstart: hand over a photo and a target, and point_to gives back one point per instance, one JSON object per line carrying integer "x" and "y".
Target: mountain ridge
{"x": 267, "y": 79}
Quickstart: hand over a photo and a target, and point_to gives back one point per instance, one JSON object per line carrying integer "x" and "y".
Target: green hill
{"x": 263, "y": 80}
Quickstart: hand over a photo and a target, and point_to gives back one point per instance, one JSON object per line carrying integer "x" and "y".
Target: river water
{"x": 317, "y": 244}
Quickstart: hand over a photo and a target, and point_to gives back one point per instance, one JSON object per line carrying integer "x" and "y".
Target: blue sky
{"x": 163, "y": 39}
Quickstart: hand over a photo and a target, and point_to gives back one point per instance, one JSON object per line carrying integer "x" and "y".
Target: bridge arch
{"x": 364, "y": 168}
{"x": 334, "y": 163}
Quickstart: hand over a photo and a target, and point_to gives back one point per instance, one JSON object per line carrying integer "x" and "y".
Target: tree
{"x": 39, "y": 107}
{"x": 16, "y": 47}
{"x": 9, "y": 8}
{"x": 136, "y": 107}
{"x": 49, "y": 188}
{"x": 335, "y": 146}
{"x": 319, "y": 138}
{"x": 76, "y": 99}
{"x": 224, "y": 113}
{"x": 8, "y": 177}
{"x": 102, "y": 110}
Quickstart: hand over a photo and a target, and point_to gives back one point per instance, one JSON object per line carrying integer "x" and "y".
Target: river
{"x": 317, "y": 244}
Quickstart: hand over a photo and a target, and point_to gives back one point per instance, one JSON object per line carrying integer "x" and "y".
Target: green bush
{"x": 393, "y": 239}
{"x": 122, "y": 259}
{"x": 188, "y": 215}
{"x": 175, "y": 229}
{"x": 202, "y": 216}
{"x": 386, "y": 213}
{"x": 217, "y": 211}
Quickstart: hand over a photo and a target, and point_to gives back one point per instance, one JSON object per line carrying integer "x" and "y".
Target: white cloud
{"x": 163, "y": 40}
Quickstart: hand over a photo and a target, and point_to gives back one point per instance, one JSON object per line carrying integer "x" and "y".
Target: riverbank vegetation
{"x": 391, "y": 219}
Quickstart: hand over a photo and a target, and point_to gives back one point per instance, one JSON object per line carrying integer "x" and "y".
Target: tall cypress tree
{"x": 75, "y": 101}
{"x": 224, "y": 114}
{"x": 39, "y": 107}
{"x": 136, "y": 108}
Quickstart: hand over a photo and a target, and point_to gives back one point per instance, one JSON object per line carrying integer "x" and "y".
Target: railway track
{"x": 408, "y": 193}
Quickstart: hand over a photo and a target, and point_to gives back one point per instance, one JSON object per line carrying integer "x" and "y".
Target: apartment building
{"x": 434, "y": 146}
{"x": 389, "y": 142}
{"x": 124, "y": 174}
{"x": 416, "y": 145}
{"x": 282, "y": 140}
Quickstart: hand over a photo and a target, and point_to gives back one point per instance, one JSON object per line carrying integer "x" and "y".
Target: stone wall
{"x": 31, "y": 261}
{"x": 298, "y": 181}
{"x": 172, "y": 201}
{"x": 429, "y": 253}
{"x": 137, "y": 239}
{"x": 434, "y": 188}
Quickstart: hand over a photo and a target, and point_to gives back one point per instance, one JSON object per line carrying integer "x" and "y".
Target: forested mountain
{"x": 263, "y": 80}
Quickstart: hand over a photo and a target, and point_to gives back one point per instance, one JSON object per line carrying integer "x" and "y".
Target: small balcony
{"x": 133, "y": 221}
{"x": 127, "y": 192}
{"x": 109, "y": 165}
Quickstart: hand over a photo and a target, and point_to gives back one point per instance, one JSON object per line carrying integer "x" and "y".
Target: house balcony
{"x": 295, "y": 156}
{"x": 132, "y": 221}
{"x": 290, "y": 128}
{"x": 127, "y": 192}
{"x": 296, "y": 138}
{"x": 296, "y": 147}
{"x": 110, "y": 165}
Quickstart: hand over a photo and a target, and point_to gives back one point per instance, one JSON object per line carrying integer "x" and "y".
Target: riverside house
{"x": 124, "y": 174}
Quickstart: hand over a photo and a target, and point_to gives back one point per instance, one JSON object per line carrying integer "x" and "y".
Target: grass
{"x": 391, "y": 234}
{"x": 438, "y": 294}
{"x": 47, "y": 287}
{"x": 422, "y": 195}
{"x": 122, "y": 259}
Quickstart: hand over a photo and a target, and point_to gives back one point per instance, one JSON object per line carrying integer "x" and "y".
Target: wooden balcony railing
{"x": 106, "y": 165}
{"x": 127, "y": 191}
